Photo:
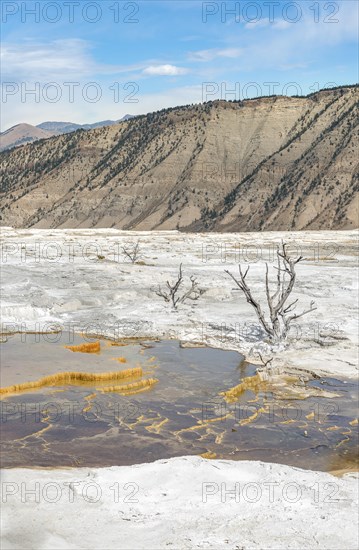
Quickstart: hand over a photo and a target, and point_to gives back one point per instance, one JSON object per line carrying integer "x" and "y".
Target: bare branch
{"x": 265, "y": 363}
{"x": 278, "y": 325}
{"x": 246, "y": 290}
{"x": 173, "y": 296}
{"x": 132, "y": 252}
{"x": 278, "y": 277}
{"x": 312, "y": 307}
{"x": 193, "y": 293}
{"x": 162, "y": 294}
{"x": 290, "y": 307}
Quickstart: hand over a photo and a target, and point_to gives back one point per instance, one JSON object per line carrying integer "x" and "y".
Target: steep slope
{"x": 310, "y": 183}
{"x": 273, "y": 163}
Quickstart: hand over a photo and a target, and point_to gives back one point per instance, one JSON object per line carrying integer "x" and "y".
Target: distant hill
{"x": 271, "y": 163}
{"x": 21, "y": 134}
{"x": 67, "y": 127}
{"x": 26, "y": 133}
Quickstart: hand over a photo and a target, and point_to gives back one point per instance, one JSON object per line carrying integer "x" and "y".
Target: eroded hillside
{"x": 269, "y": 163}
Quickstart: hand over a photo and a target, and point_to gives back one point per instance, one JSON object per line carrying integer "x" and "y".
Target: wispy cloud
{"x": 215, "y": 53}
{"x": 276, "y": 24}
{"x": 55, "y": 59}
{"x": 191, "y": 38}
{"x": 52, "y": 58}
{"x": 165, "y": 70}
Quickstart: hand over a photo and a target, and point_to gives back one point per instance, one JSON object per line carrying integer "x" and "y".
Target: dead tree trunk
{"x": 281, "y": 315}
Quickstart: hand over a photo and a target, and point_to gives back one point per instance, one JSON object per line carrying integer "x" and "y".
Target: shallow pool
{"x": 182, "y": 413}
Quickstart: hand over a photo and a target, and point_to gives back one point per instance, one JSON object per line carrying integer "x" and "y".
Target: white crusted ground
{"x": 180, "y": 503}
{"x": 80, "y": 280}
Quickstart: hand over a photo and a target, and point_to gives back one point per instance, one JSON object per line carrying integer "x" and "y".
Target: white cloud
{"x": 257, "y": 24}
{"x": 164, "y": 70}
{"x": 36, "y": 59}
{"x": 214, "y": 53}
{"x": 53, "y": 60}
{"x": 282, "y": 24}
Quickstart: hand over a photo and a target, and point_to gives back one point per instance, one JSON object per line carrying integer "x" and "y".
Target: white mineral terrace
{"x": 180, "y": 503}
{"x": 79, "y": 279}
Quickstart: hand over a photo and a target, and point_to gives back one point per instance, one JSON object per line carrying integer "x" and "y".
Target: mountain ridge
{"x": 23, "y": 133}
{"x": 272, "y": 163}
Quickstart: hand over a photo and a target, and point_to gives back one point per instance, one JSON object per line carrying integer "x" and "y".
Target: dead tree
{"x": 173, "y": 294}
{"x": 281, "y": 315}
{"x": 132, "y": 252}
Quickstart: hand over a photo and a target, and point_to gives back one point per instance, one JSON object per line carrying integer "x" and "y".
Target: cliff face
{"x": 272, "y": 163}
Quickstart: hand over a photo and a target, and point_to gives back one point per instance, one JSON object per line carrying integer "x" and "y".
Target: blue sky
{"x": 90, "y": 61}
